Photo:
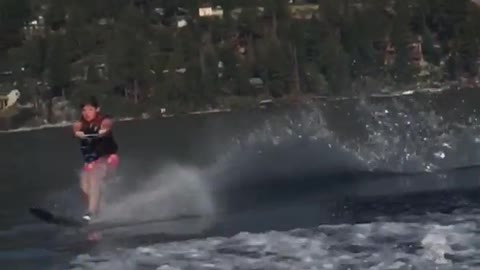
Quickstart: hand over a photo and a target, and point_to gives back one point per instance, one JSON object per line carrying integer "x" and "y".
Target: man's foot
{"x": 87, "y": 217}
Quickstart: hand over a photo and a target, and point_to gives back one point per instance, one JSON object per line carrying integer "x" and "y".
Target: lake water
{"x": 309, "y": 188}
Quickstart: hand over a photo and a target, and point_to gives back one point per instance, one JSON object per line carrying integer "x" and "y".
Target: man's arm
{"x": 77, "y": 127}
{"x": 106, "y": 126}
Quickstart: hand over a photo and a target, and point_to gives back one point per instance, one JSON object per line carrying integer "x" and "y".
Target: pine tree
{"x": 58, "y": 65}
{"x": 128, "y": 55}
{"x": 56, "y": 14}
{"x": 35, "y": 57}
{"x": 469, "y": 42}
{"x": 400, "y": 37}
{"x": 336, "y": 66}
{"x": 13, "y": 16}
{"x": 431, "y": 54}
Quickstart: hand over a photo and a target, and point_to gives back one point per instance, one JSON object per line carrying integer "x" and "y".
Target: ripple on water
{"x": 425, "y": 244}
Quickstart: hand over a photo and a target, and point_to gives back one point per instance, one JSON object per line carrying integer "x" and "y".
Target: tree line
{"x": 163, "y": 53}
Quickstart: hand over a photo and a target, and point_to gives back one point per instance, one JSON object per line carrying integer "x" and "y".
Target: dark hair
{"x": 92, "y": 101}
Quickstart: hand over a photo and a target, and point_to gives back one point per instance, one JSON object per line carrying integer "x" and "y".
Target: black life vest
{"x": 95, "y": 148}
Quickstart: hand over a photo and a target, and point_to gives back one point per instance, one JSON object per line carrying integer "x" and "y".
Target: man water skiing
{"x": 99, "y": 150}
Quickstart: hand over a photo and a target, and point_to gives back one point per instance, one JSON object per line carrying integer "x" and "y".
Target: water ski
{"x": 49, "y": 217}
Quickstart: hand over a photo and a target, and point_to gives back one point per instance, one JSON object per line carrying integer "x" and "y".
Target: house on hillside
{"x": 416, "y": 52}
{"x": 209, "y": 11}
{"x": 302, "y": 9}
{"x": 8, "y": 100}
{"x": 387, "y": 51}
{"x": 177, "y": 17}
{"x": 182, "y": 18}
{"x": 37, "y": 26}
{"x": 235, "y": 13}
{"x": 90, "y": 66}
{"x": 34, "y": 28}
{"x": 389, "y": 54}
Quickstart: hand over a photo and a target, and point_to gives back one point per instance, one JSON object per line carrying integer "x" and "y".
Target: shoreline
{"x": 260, "y": 106}
{"x": 122, "y": 119}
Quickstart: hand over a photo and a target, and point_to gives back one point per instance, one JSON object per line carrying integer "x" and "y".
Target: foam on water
{"x": 414, "y": 243}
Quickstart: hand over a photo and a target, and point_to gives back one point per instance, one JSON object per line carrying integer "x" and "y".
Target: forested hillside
{"x": 193, "y": 54}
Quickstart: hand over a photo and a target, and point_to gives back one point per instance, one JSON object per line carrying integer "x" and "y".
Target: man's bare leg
{"x": 85, "y": 185}
{"x": 97, "y": 175}
{"x": 94, "y": 195}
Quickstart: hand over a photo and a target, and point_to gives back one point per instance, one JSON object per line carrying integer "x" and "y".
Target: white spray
{"x": 174, "y": 191}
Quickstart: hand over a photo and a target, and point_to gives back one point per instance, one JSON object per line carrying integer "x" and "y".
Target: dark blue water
{"x": 336, "y": 163}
